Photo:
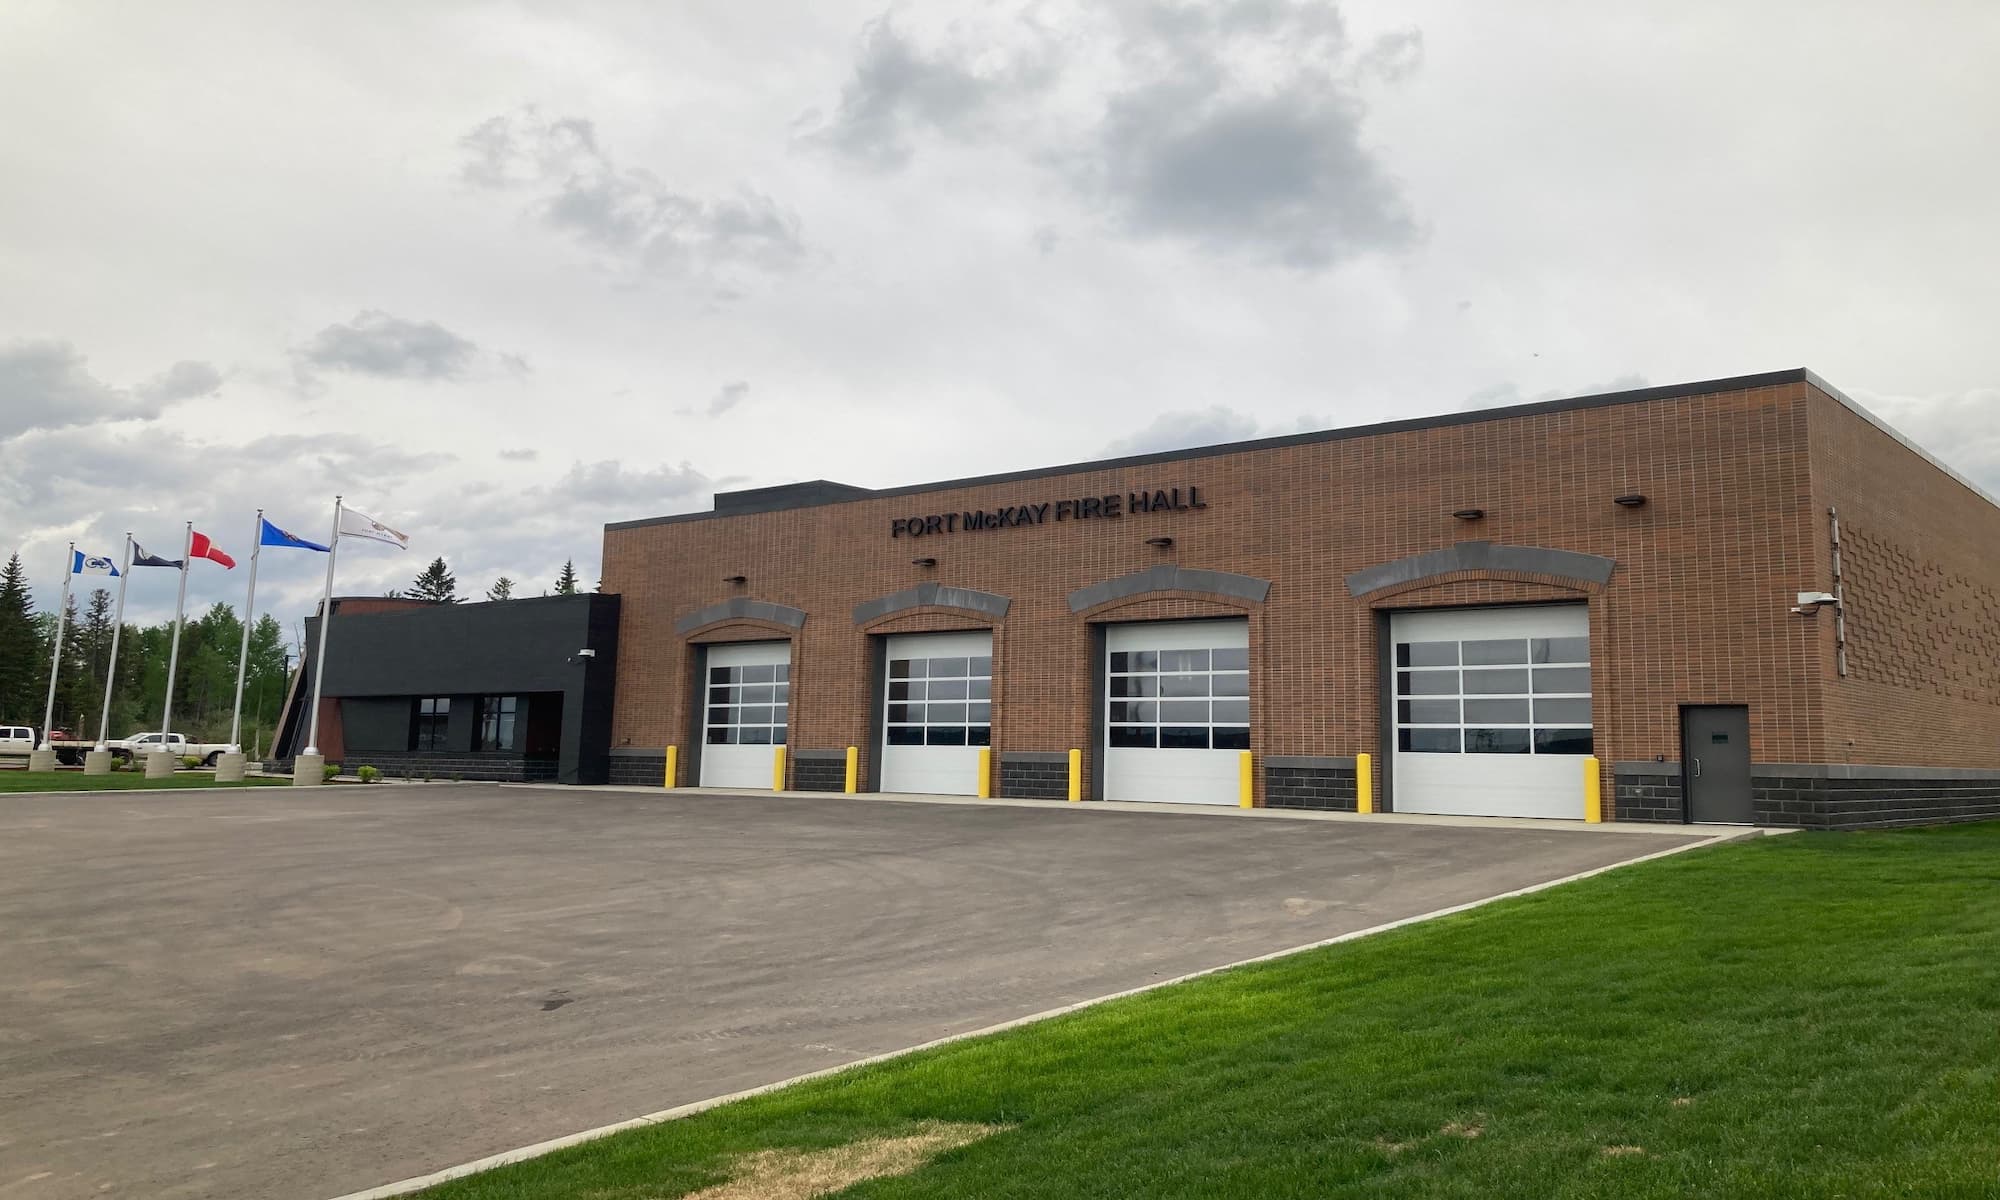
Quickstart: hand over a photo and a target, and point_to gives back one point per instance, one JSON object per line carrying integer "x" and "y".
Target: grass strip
{"x": 117, "y": 781}
{"x": 1807, "y": 1016}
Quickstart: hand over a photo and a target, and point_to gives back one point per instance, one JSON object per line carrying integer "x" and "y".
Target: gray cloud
{"x": 376, "y": 343}
{"x": 626, "y": 213}
{"x": 182, "y": 381}
{"x": 521, "y": 454}
{"x": 44, "y": 385}
{"x": 611, "y": 483}
{"x": 1961, "y": 428}
{"x": 1236, "y": 127}
{"x": 1182, "y": 430}
{"x": 728, "y": 396}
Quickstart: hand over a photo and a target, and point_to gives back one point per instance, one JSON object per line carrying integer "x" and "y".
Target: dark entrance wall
{"x": 380, "y": 659}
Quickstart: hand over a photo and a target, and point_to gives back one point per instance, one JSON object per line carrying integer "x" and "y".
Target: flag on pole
{"x": 92, "y": 564}
{"x": 142, "y": 559}
{"x": 271, "y": 535}
{"x": 200, "y": 547}
{"x": 361, "y": 525}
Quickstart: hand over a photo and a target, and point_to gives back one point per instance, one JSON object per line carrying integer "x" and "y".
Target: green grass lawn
{"x": 1807, "y": 1016}
{"x": 77, "y": 781}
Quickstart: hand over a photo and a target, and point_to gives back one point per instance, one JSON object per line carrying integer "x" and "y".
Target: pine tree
{"x": 502, "y": 589}
{"x": 20, "y": 646}
{"x": 566, "y": 582}
{"x": 436, "y": 583}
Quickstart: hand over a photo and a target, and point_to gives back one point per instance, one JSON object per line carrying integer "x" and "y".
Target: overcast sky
{"x": 500, "y": 273}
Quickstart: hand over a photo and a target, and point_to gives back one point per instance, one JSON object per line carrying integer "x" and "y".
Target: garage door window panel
{"x": 1183, "y": 717}
{"x": 946, "y": 717}
{"x": 748, "y": 705}
{"x": 1494, "y": 696}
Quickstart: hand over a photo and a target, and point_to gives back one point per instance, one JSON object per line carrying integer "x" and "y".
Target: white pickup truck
{"x": 138, "y": 744}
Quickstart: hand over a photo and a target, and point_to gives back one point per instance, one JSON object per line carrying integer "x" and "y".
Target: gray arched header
{"x": 986, "y": 604}
{"x": 1482, "y": 556}
{"x": 742, "y": 608}
{"x": 1169, "y": 578}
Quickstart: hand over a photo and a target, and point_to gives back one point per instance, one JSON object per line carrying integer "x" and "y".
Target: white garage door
{"x": 1492, "y": 710}
{"x": 937, "y": 711}
{"x": 748, "y": 709}
{"x": 1176, "y": 710}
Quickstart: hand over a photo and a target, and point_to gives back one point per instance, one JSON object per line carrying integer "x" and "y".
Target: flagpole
{"x": 55, "y": 658}
{"x": 174, "y": 652}
{"x": 325, "y": 619}
{"x": 111, "y": 669}
{"x": 243, "y": 655}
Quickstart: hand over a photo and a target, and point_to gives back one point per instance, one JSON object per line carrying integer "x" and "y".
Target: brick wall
{"x": 1695, "y": 613}
{"x": 1921, "y": 559}
{"x": 1035, "y": 775}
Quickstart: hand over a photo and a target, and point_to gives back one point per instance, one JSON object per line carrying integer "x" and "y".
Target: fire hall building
{"x": 1742, "y": 601}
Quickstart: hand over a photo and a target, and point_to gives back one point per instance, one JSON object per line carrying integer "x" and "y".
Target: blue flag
{"x": 92, "y": 564}
{"x": 271, "y": 535}
{"x": 142, "y": 559}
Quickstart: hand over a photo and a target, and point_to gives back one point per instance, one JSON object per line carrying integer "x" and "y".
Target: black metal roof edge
{"x": 1860, "y": 410}
{"x": 1674, "y": 391}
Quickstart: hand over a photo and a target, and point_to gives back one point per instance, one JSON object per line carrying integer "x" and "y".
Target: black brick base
{"x": 1815, "y": 797}
{"x": 1319, "y": 783}
{"x": 819, "y": 770}
{"x": 1034, "y": 775}
{"x": 496, "y": 768}
{"x": 645, "y": 770}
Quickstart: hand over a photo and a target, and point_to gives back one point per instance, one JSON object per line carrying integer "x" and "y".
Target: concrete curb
{"x": 406, "y": 1186}
{"x": 1639, "y": 828}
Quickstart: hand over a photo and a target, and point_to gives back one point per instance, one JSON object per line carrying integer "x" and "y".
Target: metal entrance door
{"x": 1715, "y": 764}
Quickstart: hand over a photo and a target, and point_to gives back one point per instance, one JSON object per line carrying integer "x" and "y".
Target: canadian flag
{"x": 200, "y": 547}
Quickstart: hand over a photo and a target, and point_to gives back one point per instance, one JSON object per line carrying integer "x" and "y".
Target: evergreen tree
{"x": 502, "y": 589}
{"x": 20, "y": 647}
{"x": 566, "y": 582}
{"x": 436, "y": 583}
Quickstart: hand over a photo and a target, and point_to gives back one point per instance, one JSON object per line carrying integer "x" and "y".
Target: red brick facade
{"x": 1737, "y": 481}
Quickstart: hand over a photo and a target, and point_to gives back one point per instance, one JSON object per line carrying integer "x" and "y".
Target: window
{"x": 496, "y": 722}
{"x": 748, "y": 706}
{"x": 1178, "y": 699}
{"x": 1494, "y": 696}
{"x": 939, "y": 702}
{"x": 427, "y": 727}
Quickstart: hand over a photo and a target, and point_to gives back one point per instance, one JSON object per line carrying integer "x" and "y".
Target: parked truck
{"x": 138, "y": 744}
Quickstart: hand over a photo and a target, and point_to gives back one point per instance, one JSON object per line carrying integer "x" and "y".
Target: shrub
{"x": 189, "y": 760}
{"x": 457, "y": 777}
{"x": 368, "y": 774}
{"x": 330, "y": 770}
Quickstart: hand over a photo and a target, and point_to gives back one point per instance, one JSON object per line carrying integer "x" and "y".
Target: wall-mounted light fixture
{"x": 924, "y": 562}
{"x": 1629, "y": 500}
{"x": 739, "y": 579}
{"x": 1160, "y": 542}
{"x": 1469, "y": 514}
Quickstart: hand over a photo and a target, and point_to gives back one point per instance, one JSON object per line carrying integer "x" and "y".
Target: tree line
{"x": 436, "y": 582}
{"x": 204, "y": 684}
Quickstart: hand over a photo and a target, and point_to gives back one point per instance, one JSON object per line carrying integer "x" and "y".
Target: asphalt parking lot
{"x": 300, "y": 994}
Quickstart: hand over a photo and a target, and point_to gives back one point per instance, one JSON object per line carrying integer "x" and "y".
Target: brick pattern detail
{"x": 930, "y": 618}
{"x": 819, "y": 774}
{"x": 1329, "y": 788}
{"x": 1923, "y": 603}
{"x": 1654, "y": 798}
{"x": 643, "y": 770}
{"x": 1696, "y": 612}
{"x": 1029, "y": 780}
{"x": 1872, "y": 803}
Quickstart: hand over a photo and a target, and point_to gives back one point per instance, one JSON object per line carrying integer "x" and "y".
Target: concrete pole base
{"x": 97, "y": 762}
{"x": 160, "y": 764}
{"x": 229, "y": 768}
{"x": 41, "y": 760}
{"x": 309, "y": 770}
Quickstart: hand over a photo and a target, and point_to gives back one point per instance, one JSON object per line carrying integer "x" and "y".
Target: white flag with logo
{"x": 361, "y": 525}
{"x": 92, "y": 564}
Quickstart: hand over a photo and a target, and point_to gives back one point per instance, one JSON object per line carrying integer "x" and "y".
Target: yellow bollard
{"x": 1364, "y": 783}
{"x": 1075, "y": 776}
{"x": 778, "y": 769}
{"x": 853, "y": 769}
{"x": 673, "y": 766}
{"x": 1593, "y": 792}
{"x": 985, "y": 773}
{"x": 1246, "y": 781}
